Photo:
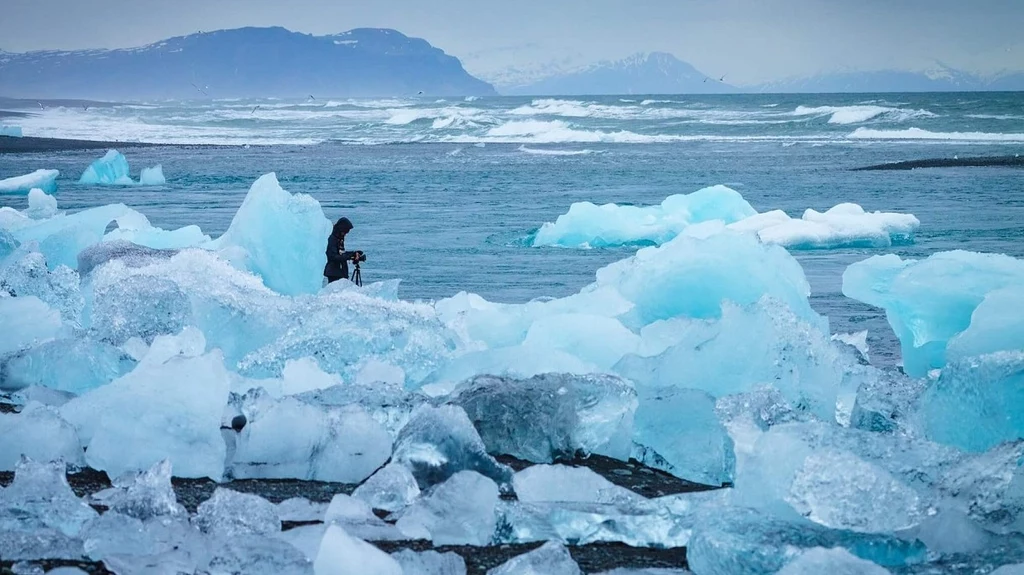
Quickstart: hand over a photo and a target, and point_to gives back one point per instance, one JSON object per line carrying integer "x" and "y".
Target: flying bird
{"x": 86, "y": 108}
{"x": 706, "y": 80}
{"x": 311, "y": 97}
{"x": 722, "y": 79}
{"x": 198, "y": 88}
{"x": 420, "y": 92}
{"x": 254, "y": 110}
{"x": 41, "y": 106}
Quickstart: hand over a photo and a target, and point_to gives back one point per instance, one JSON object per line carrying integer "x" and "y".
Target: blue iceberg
{"x": 586, "y": 225}
{"x": 932, "y": 301}
{"x": 112, "y": 170}
{"x": 10, "y": 131}
{"x": 45, "y": 180}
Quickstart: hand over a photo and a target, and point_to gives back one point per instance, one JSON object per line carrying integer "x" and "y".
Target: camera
{"x": 358, "y": 257}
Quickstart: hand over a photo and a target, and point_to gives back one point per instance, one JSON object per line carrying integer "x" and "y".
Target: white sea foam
{"x": 995, "y": 117}
{"x": 545, "y": 152}
{"x": 919, "y": 134}
{"x": 859, "y": 114}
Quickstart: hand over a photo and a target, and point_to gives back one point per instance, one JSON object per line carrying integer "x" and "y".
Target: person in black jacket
{"x": 337, "y": 257}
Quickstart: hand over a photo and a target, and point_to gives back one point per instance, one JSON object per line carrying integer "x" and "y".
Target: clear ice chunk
{"x": 42, "y": 543}
{"x": 132, "y": 255}
{"x": 228, "y": 513}
{"x": 440, "y": 441}
{"x": 392, "y": 488}
{"x": 40, "y": 498}
{"x": 975, "y": 404}
{"x": 257, "y": 555}
{"x": 289, "y": 438}
{"x": 552, "y": 558}
{"x": 736, "y": 541}
{"x": 460, "y": 511}
{"x": 552, "y": 415}
{"x": 26, "y": 320}
{"x": 358, "y": 520}
{"x": 75, "y": 365}
{"x": 554, "y": 483}
{"x": 145, "y": 495}
{"x": 837, "y": 561}
{"x": 677, "y": 431}
{"x": 342, "y": 554}
{"x": 39, "y": 433}
{"x": 26, "y": 273}
{"x": 301, "y": 509}
{"x": 429, "y": 562}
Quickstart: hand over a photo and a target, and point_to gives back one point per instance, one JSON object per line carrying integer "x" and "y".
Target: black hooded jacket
{"x": 337, "y": 257}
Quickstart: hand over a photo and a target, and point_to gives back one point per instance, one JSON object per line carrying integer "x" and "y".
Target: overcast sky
{"x": 749, "y": 40}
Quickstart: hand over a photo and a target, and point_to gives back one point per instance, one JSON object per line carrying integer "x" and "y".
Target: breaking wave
{"x": 860, "y": 114}
{"x": 919, "y": 134}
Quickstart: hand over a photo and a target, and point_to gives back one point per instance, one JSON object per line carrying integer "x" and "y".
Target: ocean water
{"x": 443, "y": 192}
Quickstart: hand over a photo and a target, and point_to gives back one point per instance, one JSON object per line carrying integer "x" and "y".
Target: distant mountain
{"x": 654, "y": 73}
{"x": 939, "y": 79}
{"x": 245, "y": 62}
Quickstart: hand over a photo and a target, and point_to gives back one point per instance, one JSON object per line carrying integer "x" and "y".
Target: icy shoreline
{"x": 116, "y": 336}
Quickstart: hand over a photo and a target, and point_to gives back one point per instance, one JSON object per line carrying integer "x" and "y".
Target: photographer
{"x": 337, "y": 257}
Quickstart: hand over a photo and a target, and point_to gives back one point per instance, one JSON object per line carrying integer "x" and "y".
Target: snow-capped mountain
{"x": 244, "y": 62}
{"x": 940, "y": 78}
{"x": 644, "y": 73}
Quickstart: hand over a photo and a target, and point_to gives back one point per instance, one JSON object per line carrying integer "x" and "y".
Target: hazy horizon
{"x": 749, "y": 41}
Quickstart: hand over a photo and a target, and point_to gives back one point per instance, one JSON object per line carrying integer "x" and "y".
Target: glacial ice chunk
{"x": 10, "y": 131}
{"x": 551, "y": 415}
{"x": 342, "y": 554}
{"x": 795, "y": 356}
{"x": 293, "y": 439}
{"x": 460, "y": 511}
{"x": 301, "y": 509}
{"x": 392, "y": 488}
{"x": 358, "y": 520}
{"x": 25, "y": 273}
{"x": 282, "y": 237}
{"x": 133, "y": 255}
{"x": 1015, "y": 569}
{"x": 39, "y": 433}
{"x": 677, "y": 431}
{"x": 837, "y": 561}
{"x": 152, "y": 176}
{"x": 694, "y": 273}
{"x": 843, "y": 225}
{"x": 230, "y": 513}
{"x": 430, "y": 562}
{"x": 554, "y": 483}
{"x": 74, "y": 365}
{"x": 439, "y": 442}
{"x": 144, "y": 495}
{"x": 589, "y": 225}
{"x": 45, "y": 180}
{"x": 257, "y": 555}
{"x": 997, "y": 324}
{"x": 976, "y": 402}
{"x": 929, "y": 302}
{"x": 26, "y": 321}
{"x": 40, "y": 498}
{"x": 40, "y": 205}
{"x": 111, "y": 169}
{"x": 552, "y": 558}
{"x": 599, "y": 341}
{"x": 736, "y": 541}
{"x": 126, "y": 423}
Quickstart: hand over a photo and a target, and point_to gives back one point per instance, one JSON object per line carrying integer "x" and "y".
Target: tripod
{"x": 357, "y": 274}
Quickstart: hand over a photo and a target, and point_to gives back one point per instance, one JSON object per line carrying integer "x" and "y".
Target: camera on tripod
{"x": 358, "y": 256}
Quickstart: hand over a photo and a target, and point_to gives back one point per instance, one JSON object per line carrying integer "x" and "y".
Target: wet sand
{"x": 592, "y": 558}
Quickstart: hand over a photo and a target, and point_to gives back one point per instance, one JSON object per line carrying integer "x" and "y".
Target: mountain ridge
{"x": 244, "y": 62}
